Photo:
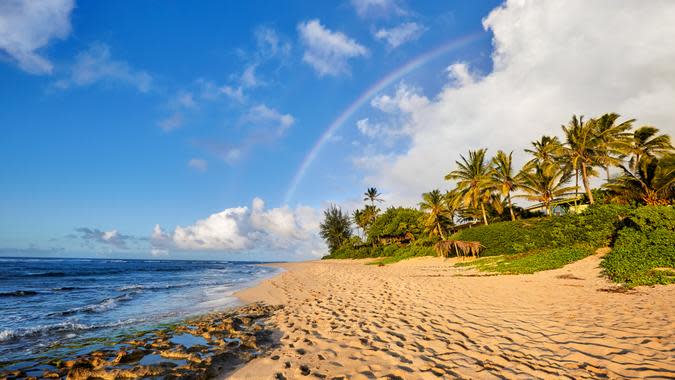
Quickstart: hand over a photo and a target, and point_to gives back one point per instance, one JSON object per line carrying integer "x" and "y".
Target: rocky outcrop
{"x": 222, "y": 341}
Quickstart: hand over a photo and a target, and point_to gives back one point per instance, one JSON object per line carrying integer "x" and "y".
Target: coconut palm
{"x": 357, "y": 218}
{"x": 435, "y": 205}
{"x": 336, "y": 227}
{"x": 368, "y": 216}
{"x": 581, "y": 149}
{"x": 545, "y": 184}
{"x": 503, "y": 177}
{"x": 545, "y": 151}
{"x": 614, "y": 140}
{"x": 652, "y": 182}
{"x": 647, "y": 142}
{"x": 474, "y": 184}
{"x": 372, "y": 195}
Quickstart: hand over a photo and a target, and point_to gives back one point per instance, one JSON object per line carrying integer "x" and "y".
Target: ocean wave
{"x": 19, "y": 293}
{"x": 100, "y": 307}
{"x": 59, "y": 328}
{"x": 155, "y": 286}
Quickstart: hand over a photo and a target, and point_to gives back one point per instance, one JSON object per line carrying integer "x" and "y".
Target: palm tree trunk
{"x": 576, "y": 187}
{"x": 440, "y": 231}
{"x": 482, "y": 207}
{"x": 549, "y": 210}
{"x": 587, "y": 186}
{"x": 607, "y": 171}
{"x": 513, "y": 217}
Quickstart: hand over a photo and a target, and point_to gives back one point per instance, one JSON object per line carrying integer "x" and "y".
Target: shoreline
{"x": 206, "y": 343}
{"x": 423, "y": 318}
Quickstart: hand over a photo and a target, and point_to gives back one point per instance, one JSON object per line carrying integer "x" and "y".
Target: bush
{"x": 593, "y": 228}
{"x": 396, "y": 221}
{"x": 644, "y": 251}
{"x": 530, "y": 262}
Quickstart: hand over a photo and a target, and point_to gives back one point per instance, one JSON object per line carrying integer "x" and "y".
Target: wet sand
{"x": 425, "y": 319}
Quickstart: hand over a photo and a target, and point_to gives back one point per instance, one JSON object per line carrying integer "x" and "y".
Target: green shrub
{"x": 530, "y": 262}
{"x": 594, "y": 228}
{"x": 644, "y": 250}
{"x": 396, "y": 221}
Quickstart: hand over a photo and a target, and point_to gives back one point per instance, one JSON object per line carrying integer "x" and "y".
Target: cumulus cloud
{"x": 112, "y": 238}
{"x": 326, "y": 51}
{"x": 400, "y": 34}
{"x": 28, "y": 26}
{"x": 551, "y": 59}
{"x": 96, "y": 65}
{"x": 198, "y": 164}
{"x": 242, "y": 229}
{"x": 377, "y": 8}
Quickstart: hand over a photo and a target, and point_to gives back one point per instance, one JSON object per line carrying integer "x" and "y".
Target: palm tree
{"x": 336, "y": 227}
{"x": 368, "y": 216}
{"x": 357, "y": 218}
{"x": 581, "y": 149}
{"x": 614, "y": 140}
{"x": 652, "y": 182}
{"x": 546, "y": 151}
{"x": 545, "y": 184}
{"x": 474, "y": 185}
{"x": 372, "y": 195}
{"x": 438, "y": 214}
{"x": 504, "y": 178}
{"x": 647, "y": 142}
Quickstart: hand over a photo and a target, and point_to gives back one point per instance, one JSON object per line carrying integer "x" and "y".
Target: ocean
{"x": 55, "y": 307}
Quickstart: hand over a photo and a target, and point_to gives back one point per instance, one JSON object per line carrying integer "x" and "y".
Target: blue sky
{"x": 124, "y": 120}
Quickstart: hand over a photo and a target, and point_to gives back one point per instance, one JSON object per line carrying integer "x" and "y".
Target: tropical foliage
{"x": 639, "y": 171}
{"x": 335, "y": 228}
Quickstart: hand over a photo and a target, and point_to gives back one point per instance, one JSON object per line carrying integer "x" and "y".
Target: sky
{"x": 221, "y": 130}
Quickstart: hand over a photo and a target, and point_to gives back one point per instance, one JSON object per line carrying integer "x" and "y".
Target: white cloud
{"x": 112, "y": 238}
{"x": 377, "y": 8}
{"x": 398, "y": 35}
{"x": 198, "y": 164}
{"x": 240, "y": 229}
{"x": 326, "y": 51}
{"x": 551, "y": 59}
{"x": 172, "y": 122}
{"x": 27, "y": 26}
{"x": 270, "y": 44}
{"x": 266, "y": 116}
{"x": 96, "y": 65}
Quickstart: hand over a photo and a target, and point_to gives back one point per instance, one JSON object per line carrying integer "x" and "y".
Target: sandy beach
{"x": 425, "y": 319}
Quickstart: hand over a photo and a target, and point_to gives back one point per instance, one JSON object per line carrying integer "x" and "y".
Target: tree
{"x": 474, "y": 185}
{"x": 503, "y": 177}
{"x": 438, "y": 215}
{"x": 647, "y": 142}
{"x": 335, "y": 228}
{"x": 357, "y": 218}
{"x": 614, "y": 140}
{"x": 372, "y": 195}
{"x": 545, "y": 184}
{"x": 652, "y": 182}
{"x": 546, "y": 151}
{"x": 581, "y": 149}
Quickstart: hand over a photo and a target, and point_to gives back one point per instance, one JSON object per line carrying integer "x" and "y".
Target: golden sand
{"x": 425, "y": 319}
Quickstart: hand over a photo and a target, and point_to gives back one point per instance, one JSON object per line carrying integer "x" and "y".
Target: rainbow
{"x": 387, "y": 80}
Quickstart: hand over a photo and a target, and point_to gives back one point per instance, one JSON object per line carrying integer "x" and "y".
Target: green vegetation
{"x": 593, "y": 228}
{"x": 531, "y": 261}
{"x": 631, "y": 212}
{"x": 644, "y": 251}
